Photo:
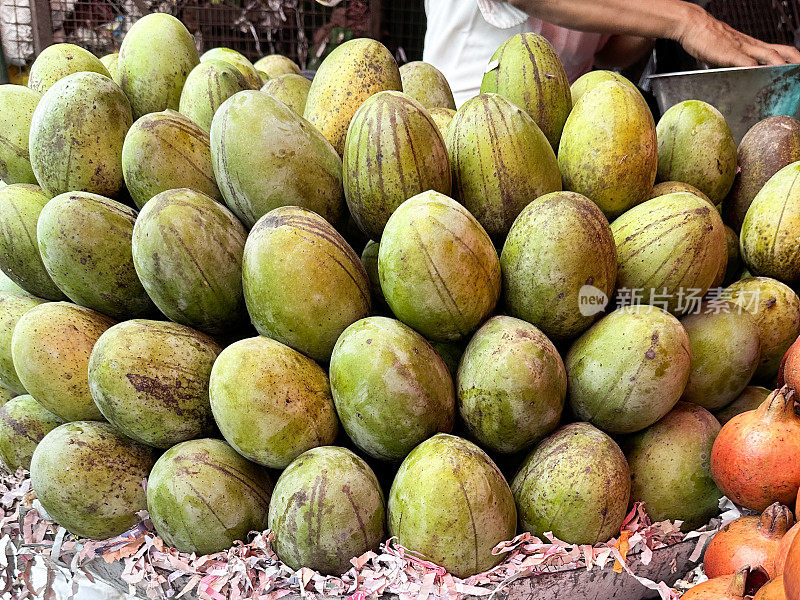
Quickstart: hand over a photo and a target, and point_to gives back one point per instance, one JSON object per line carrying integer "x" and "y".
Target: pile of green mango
{"x": 343, "y": 310}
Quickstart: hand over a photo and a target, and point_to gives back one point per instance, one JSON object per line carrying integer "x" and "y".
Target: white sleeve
{"x": 501, "y": 14}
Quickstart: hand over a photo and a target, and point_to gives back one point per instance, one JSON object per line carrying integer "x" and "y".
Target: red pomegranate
{"x": 742, "y": 584}
{"x": 791, "y": 571}
{"x": 789, "y": 372}
{"x": 783, "y": 548}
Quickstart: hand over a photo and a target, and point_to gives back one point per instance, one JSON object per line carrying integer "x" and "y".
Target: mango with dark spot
{"x": 750, "y": 399}
{"x": 17, "y": 104}
{"x": 426, "y": 84}
{"x": 672, "y": 249}
{"x": 208, "y": 85}
{"x": 369, "y": 258}
{"x": 270, "y": 402}
{"x": 592, "y": 79}
{"x": 77, "y": 133}
{"x": 696, "y": 146}
{"x": 776, "y": 310}
{"x": 670, "y": 187}
{"x": 110, "y": 62}
{"x": 291, "y": 89}
{"x": 192, "y": 281}
{"x": 558, "y": 249}
{"x": 20, "y": 207}
{"x": 237, "y": 60}
{"x": 202, "y": 496}
{"x": 390, "y": 388}
{"x": 59, "y": 60}
{"x": 12, "y": 307}
{"x": 576, "y": 483}
{"x": 266, "y": 156}
{"x": 500, "y": 160}
{"x": 439, "y": 271}
{"x": 450, "y": 503}
{"x": 23, "y": 424}
{"x": 85, "y": 244}
{"x": 527, "y": 71}
{"x": 89, "y": 477}
{"x": 156, "y": 57}
{"x": 393, "y": 151}
{"x": 327, "y": 508}
{"x": 442, "y": 118}
{"x": 50, "y": 348}
{"x": 629, "y": 369}
{"x": 275, "y": 65}
{"x": 608, "y": 149}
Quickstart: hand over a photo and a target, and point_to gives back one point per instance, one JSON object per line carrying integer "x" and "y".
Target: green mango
{"x": 291, "y": 89}
{"x": 12, "y": 307}
{"x": 7, "y": 284}
{"x": 23, "y": 424}
{"x": 442, "y": 118}
{"x": 275, "y": 65}
{"x": 110, "y": 63}
{"x": 17, "y": 104}
{"x": 208, "y": 85}
{"x": 369, "y": 258}
{"x": 59, "y": 60}
{"x": 750, "y": 399}
{"x": 669, "y": 187}
{"x": 592, "y": 79}
{"x": 238, "y": 60}
{"x": 427, "y": 85}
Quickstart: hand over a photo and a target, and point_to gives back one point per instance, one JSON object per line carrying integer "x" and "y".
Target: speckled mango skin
{"x": 608, "y": 149}
{"x": 327, "y": 508}
{"x": 576, "y": 483}
{"x": 208, "y": 85}
{"x": 17, "y": 104}
{"x": 669, "y": 187}
{"x": 155, "y": 58}
{"x": 275, "y": 65}
{"x": 511, "y": 385}
{"x": 439, "y": 271}
{"x": 391, "y": 389}
{"x": 530, "y": 74}
{"x": 750, "y": 399}
{"x": 559, "y": 243}
{"x": 670, "y": 466}
{"x": 291, "y": 89}
{"x": 776, "y": 310}
{"x": 349, "y": 75}
{"x": 110, "y": 62}
{"x": 50, "y": 348}
{"x": 771, "y": 228}
{"x": 426, "y": 84}
{"x": 5, "y": 395}
{"x": 369, "y": 258}
{"x": 59, "y": 60}
{"x": 8, "y": 285}
{"x": 266, "y": 156}
{"x": 695, "y": 146}
{"x": 668, "y": 244}
{"x": 725, "y": 353}
{"x": 150, "y": 380}
{"x": 303, "y": 283}
{"x": 20, "y": 207}
{"x": 270, "y": 402}
{"x": 88, "y": 478}
{"x": 77, "y": 133}
{"x": 238, "y": 60}
{"x": 202, "y": 496}
{"x": 501, "y": 161}
{"x": 589, "y": 80}
{"x": 629, "y": 369}
{"x": 442, "y": 118}
{"x": 192, "y": 281}
{"x": 393, "y": 151}
{"x": 451, "y": 503}
{"x": 85, "y": 244}
{"x": 166, "y": 151}
{"x": 12, "y": 307}
{"x": 23, "y": 424}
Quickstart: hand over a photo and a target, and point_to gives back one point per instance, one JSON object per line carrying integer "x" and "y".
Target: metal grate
{"x": 773, "y": 21}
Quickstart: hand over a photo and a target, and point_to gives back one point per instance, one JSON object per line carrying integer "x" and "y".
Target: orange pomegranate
{"x": 791, "y": 571}
{"x": 783, "y": 548}
{"x": 789, "y": 372}
{"x": 742, "y": 584}
{"x": 772, "y": 590}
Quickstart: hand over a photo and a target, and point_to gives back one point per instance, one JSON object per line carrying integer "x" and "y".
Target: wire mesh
{"x": 773, "y": 21}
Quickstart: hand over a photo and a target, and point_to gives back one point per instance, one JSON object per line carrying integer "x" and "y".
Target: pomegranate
{"x": 742, "y": 584}
{"x": 789, "y": 372}
{"x": 748, "y": 541}
{"x": 755, "y": 460}
{"x": 772, "y": 590}
{"x": 783, "y": 548}
{"x": 791, "y": 571}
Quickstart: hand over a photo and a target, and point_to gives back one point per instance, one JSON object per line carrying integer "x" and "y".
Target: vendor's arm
{"x": 701, "y": 35}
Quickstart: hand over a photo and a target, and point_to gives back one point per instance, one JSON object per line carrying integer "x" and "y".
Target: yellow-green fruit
{"x": 20, "y": 206}
{"x": 442, "y": 118}
{"x": 156, "y": 56}
{"x": 23, "y": 424}
{"x": 202, "y": 497}
{"x": 576, "y": 484}
{"x": 696, "y": 146}
{"x": 369, "y": 258}
{"x": 771, "y": 228}
{"x": 305, "y": 302}
{"x": 50, "y": 347}
{"x": 85, "y": 243}
{"x": 88, "y": 478}
{"x": 608, "y": 149}
{"x": 451, "y": 503}
{"x": 270, "y": 402}
{"x": 589, "y": 80}
{"x": 776, "y": 310}
{"x": 77, "y": 133}
{"x": 393, "y": 151}
{"x": 349, "y": 75}
{"x": 734, "y": 265}
{"x": 670, "y": 187}
{"x": 439, "y": 271}
{"x": 526, "y": 70}
{"x": 17, "y": 104}
{"x": 501, "y": 161}
{"x": 166, "y": 151}
{"x": 7, "y": 284}
{"x": 750, "y": 399}
{"x": 110, "y": 63}
{"x": 326, "y": 509}
{"x": 275, "y": 65}
{"x": 238, "y": 60}
{"x": 59, "y": 60}
{"x": 670, "y": 250}
{"x": 208, "y": 85}
{"x": 426, "y": 84}
{"x": 291, "y": 89}
{"x": 266, "y": 156}
{"x": 5, "y": 395}
{"x": 12, "y": 307}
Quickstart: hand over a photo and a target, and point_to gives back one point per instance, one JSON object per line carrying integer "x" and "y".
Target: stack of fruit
{"x": 488, "y": 259}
